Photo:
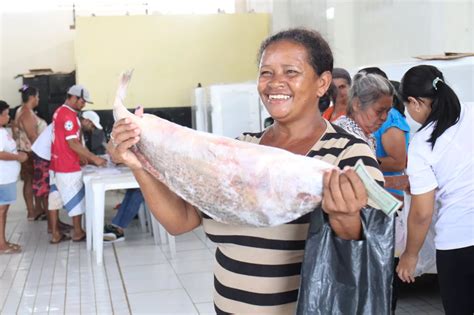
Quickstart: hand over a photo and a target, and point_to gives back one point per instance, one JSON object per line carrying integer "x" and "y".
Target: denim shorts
{"x": 7, "y": 194}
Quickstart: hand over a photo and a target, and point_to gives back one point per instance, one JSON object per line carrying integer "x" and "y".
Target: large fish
{"x": 232, "y": 181}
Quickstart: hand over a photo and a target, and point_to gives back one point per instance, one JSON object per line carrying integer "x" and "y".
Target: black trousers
{"x": 456, "y": 280}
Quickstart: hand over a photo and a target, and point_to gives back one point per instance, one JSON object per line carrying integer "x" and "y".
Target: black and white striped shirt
{"x": 258, "y": 269}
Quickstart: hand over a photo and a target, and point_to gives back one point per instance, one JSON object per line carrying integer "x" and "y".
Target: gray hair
{"x": 368, "y": 88}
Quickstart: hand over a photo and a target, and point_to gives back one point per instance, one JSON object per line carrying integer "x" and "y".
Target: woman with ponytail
{"x": 441, "y": 171}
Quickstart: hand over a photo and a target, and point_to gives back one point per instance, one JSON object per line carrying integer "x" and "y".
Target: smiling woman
{"x": 258, "y": 268}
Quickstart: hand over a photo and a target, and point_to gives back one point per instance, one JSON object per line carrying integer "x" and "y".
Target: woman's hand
{"x": 343, "y": 193}
{"x": 22, "y": 156}
{"x": 124, "y": 135}
{"x": 406, "y": 267}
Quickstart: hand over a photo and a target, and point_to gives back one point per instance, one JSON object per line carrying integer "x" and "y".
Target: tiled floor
{"x": 137, "y": 277}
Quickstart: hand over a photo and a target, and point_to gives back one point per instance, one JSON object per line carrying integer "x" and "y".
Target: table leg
{"x": 89, "y": 212}
{"x": 98, "y": 193}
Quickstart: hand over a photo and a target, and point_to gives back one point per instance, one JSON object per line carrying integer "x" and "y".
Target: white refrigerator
{"x": 228, "y": 109}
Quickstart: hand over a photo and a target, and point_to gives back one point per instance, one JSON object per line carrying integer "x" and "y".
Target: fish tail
{"x": 119, "y": 109}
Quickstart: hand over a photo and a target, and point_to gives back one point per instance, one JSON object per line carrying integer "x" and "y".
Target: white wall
{"x": 361, "y": 32}
{"x": 1, "y": 56}
{"x": 33, "y": 40}
{"x": 371, "y": 32}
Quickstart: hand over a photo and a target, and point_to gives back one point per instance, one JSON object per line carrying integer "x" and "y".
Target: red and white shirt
{"x": 66, "y": 126}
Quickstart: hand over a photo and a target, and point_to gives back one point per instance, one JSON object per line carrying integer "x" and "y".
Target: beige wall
{"x": 170, "y": 54}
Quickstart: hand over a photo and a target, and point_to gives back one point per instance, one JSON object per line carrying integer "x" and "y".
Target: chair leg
{"x": 142, "y": 217}
{"x": 155, "y": 229}
{"x": 149, "y": 219}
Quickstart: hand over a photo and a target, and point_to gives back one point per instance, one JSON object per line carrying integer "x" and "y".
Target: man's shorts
{"x": 66, "y": 190}
{"x": 41, "y": 176}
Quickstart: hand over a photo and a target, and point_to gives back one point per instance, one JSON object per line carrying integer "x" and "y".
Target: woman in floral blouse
{"x": 370, "y": 100}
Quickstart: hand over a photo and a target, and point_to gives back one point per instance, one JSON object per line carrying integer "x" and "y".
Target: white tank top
{"x": 42, "y": 146}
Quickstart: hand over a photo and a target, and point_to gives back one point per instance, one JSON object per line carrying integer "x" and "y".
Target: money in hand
{"x": 382, "y": 198}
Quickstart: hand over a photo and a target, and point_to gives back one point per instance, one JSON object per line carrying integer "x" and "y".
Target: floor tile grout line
{"x": 66, "y": 280}
{"x": 9, "y": 237}
{"x": 41, "y": 275}
{"x": 122, "y": 279}
{"x": 29, "y": 269}
{"x": 80, "y": 282}
{"x": 16, "y": 272}
{"x": 89, "y": 261}
{"x": 182, "y": 284}
{"x": 108, "y": 284}
{"x": 52, "y": 278}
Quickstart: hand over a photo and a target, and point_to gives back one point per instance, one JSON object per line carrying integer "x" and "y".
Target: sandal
{"x": 13, "y": 245}
{"x": 37, "y": 217}
{"x": 80, "y": 239}
{"x": 65, "y": 226}
{"x": 10, "y": 250}
{"x": 63, "y": 237}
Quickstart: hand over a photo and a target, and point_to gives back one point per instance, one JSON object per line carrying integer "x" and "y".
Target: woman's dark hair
{"x": 328, "y": 97}
{"x": 427, "y": 81}
{"x": 3, "y": 106}
{"x": 319, "y": 53}
{"x": 341, "y": 73}
{"x": 397, "y": 99}
{"x": 27, "y": 91}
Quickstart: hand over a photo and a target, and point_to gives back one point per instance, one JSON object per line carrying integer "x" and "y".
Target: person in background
{"x": 370, "y": 100}
{"x": 328, "y": 99}
{"x": 294, "y": 72}
{"x": 441, "y": 171}
{"x": 391, "y": 151}
{"x": 127, "y": 211}
{"x": 10, "y": 160}
{"x": 93, "y": 132}
{"x": 41, "y": 153}
{"x": 66, "y": 185}
{"x": 392, "y": 140}
{"x": 342, "y": 80}
{"x": 26, "y": 128}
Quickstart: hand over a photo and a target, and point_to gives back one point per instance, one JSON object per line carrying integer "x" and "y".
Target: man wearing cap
{"x": 66, "y": 185}
{"x": 93, "y": 132}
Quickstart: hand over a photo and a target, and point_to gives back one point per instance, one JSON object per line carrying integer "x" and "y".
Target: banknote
{"x": 385, "y": 201}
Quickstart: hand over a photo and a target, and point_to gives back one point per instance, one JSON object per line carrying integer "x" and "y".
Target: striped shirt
{"x": 258, "y": 269}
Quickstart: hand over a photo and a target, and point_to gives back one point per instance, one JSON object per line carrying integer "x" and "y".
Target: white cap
{"x": 92, "y": 116}
{"x": 80, "y": 91}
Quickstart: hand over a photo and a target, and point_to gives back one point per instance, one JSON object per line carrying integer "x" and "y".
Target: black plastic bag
{"x": 348, "y": 277}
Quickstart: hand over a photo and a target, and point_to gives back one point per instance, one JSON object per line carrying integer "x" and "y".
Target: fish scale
{"x": 234, "y": 182}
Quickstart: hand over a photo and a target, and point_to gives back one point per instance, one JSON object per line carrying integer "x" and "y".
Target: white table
{"x": 97, "y": 181}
